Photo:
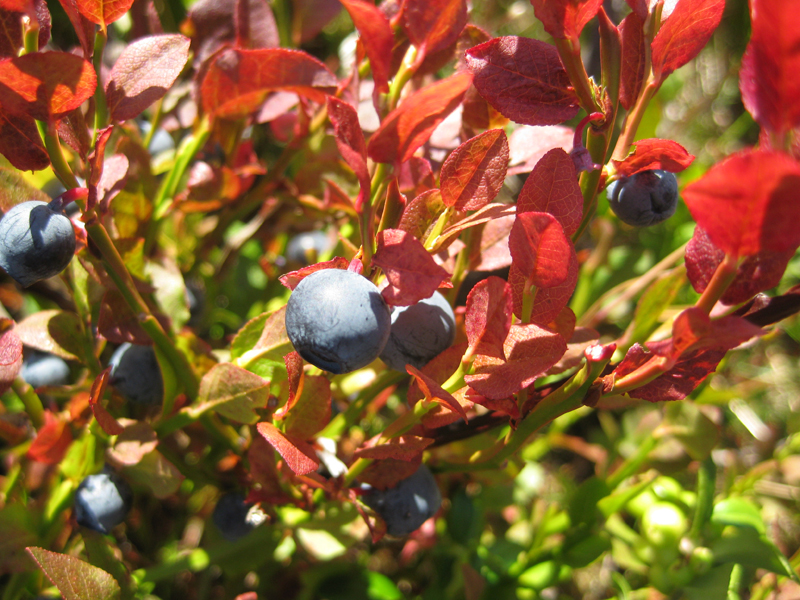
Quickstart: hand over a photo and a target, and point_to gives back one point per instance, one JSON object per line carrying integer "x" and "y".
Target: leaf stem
{"x": 403, "y": 76}
{"x": 633, "y": 119}
{"x": 720, "y": 281}
{"x": 653, "y": 368}
{"x": 100, "y": 105}
{"x": 31, "y": 400}
{"x": 570, "y": 52}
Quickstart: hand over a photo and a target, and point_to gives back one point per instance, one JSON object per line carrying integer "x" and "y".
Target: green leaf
{"x": 233, "y": 392}
{"x": 711, "y": 585}
{"x": 157, "y": 473}
{"x": 744, "y": 546}
{"x": 75, "y": 579}
{"x": 170, "y": 291}
{"x": 692, "y": 428}
{"x": 653, "y": 302}
{"x": 53, "y": 331}
{"x": 249, "y": 335}
{"x": 739, "y": 512}
{"x": 262, "y": 336}
{"x": 16, "y": 532}
{"x": 583, "y": 508}
{"x": 586, "y": 551}
{"x": 614, "y": 502}
{"x": 83, "y": 458}
{"x": 380, "y": 587}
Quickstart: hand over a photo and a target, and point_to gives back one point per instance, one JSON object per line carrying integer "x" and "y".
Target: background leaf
{"x": 474, "y": 173}
{"x": 75, "y": 579}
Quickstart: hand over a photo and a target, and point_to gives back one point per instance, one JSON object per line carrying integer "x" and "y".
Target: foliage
{"x": 574, "y": 425}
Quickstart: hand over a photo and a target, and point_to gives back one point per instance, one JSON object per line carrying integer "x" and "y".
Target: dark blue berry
{"x": 644, "y": 199}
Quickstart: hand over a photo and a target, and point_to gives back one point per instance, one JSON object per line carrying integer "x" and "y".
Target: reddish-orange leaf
{"x": 108, "y": 423}
{"x": 103, "y": 12}
{"x": 377, "y": 36}
{"x": 524, "y": 80}
{"x": 539, "y": 250}
{"x": 693, "y": 329}
{"x": 433, "y": 392}
{"x": 530, "y": 351}
{"x": 144, "y": 72}
{"x": 748, "y": 203}
{"x": 51, "y": 441}
{"x": 10, "y": 354}
{"x": 633, "y": 52}
{"x": 768, "y": 77}
{"x": 565, "y": 19}
{"x": 45, "y": 85}
{"x": 238, "y": 81}
{"x": 433, "y": 25}
{"x": 19, "y": 6}
{"x": 412, "y": 273}
{"x": 294, "y": 375}
{"x": 654, "y": 154}
{"x": 488, "y": 214}
{"x": 548, "y": 301}
{"x": 552, "y": 187}
{"x": 290, "y": 280}
{"x": 683, "y": 34}
{"x": 350, "y": 141}
{"x": 387, "y": 473}
{"x": 410, "y": 125}
{"x": 311, "y": 409}
{"x": 474, "y": 172}
{"x": 405, "y": 447}
{"x": 21, "y": 143}
{"x": 756, "y": 273}
{"x": 488, "y": 317}
{"x": 421, "y": 212}
{"x": 439, "y": 369}
{"x": 298, "y": 454}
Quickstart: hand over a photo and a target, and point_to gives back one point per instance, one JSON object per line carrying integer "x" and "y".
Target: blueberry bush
{"x": 406, "y": 299}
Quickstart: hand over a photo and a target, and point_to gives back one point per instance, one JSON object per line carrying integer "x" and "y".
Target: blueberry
{"x": 409, "y": 504}
{"x": 36, "y": 242}
{"x": 136, "y": 375}
{"x": 304, "y": 248}
{"x": 102, "y": 501}
{"x": 234, "y": 517}
{"x": 419, "y": 333}
{"x": 646, "y": 198}
{"x": 40, "y": 369}
{"x": 337, "y": 320}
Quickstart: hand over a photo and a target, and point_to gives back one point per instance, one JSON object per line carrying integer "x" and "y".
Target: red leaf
{"x": 488, "y": 214}
{"x": 410, "y": 125}
{"x": 506, "y": 406}
{"x": 74, "y": 578}
{"x": 299, "y": 455}
{"x": 51, "y": 441}
{"x": 238, "y": 81}
{"x": 405, "y": 447}
{"x": 565, "y": 19}
{"x": 214, "y": 23}
{"x": 693, "y": 329}
{"x": 377, "y": 36}
{"x": 748, "y": 203}
{"x": 387, "y": 473}
{"x": 350, "y": 141}
{"x": 144, "y": 72}
{"x": 433, "y": 392}
{"x": 683, "y": 34}
{"x": 654, "y": 154}
{"x": 255, "y": 24}
{"x": 10, "y": 354}
{"x": 530, "y": 351}
{"x": 107, "y": 423}
{"x": 549, "y": 301}
{"x": 633, "y": 53}
{"x": 83, "y": 27}
{"x": 45, "y": 85}
{"x": 678, "y": 382}
{"x": 412, "y": 273}
{"x": 103, "y": 12}
{"x": 524, "y": 80}
{"x": 552, "y": 187}
{"x": 415, "y": 176}
{"x": 768, "y": 77}
{"x": 311, "y": 408}
{"x": 439, "y": 369}
{"x": 294, "y": 375}
{"x": 474, "y": 172}
{"x": 539, "y": 249}
{"x": 20, "y": 6}
{"x": 433, "y": 25}
{"x": 488, "y": 317}
{"x": 421, "y": 212}
{"x": 290, "y": 280}
{"x": 311, "y": 16}
{"x": 10, "y": 31}
{"x": 756, "y": 273}
{"x": 21, "y": 143}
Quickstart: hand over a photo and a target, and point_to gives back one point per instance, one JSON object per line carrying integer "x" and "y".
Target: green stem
{"x": 735, "y": 583}
{"x": 570, "y": 53}
{"x": 706, "y": 488}
{"x": 116, "y": 269}
{"x": 32, "y": 402}
{"x": 632, "y": 464}
{"x": 403, "y": 76}
{"x": 634, "y": 119}
{"x": 31, "y": 35}
{"x": 57, "y": 161}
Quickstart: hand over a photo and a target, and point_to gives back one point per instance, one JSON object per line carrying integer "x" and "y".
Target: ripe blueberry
{"x": 409, "y": 504}
{"x": 36, "y": 241}
{"x": 136, "y": 375}
{"x": 40, "y": 369}
{"x": 337, "y": 320}
{"x": 643, "y": 199}
{"x": 234, "y": 517}
{"x": 304, "y": 248}
{"x": 102, "y": 501}
{"x": 419, "y": 333}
